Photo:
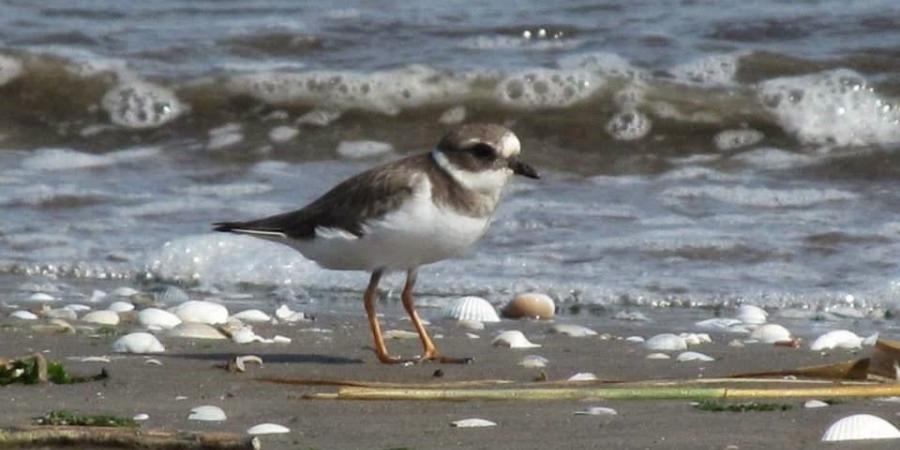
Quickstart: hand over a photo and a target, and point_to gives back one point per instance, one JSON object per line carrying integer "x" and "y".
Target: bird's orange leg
{"x": 369, "y": 300}
{"x": 430, "y": 352}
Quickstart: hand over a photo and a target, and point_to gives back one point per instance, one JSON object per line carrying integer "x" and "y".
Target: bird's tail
{"x": 245, "y": 228}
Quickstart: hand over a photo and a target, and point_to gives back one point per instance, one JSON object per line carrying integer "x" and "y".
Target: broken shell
{"x": 836, "y": 339}
{"x": 658, "y": 356}
{"x": 252, "y": 315}
{"x": 207, "y": 413}
{"x": 286, "y": 314}
{"x": 815, "y": 404}
{"x": 750, "y": 314}
{"x": 583, "y": 376}
{"x": 666, "y": 342}
{"x": 240, "y": 362}
{"x": 472, "y": 423}
{"x": 400, "y": 334}
{"x": 695, "y": 338}
{"x": 155, "y": 317}
{"x": 245, "y": 336}
{"x": 268, "y": 428}
{"x": 693, "y": 356}
{"x": 530, "y": 305}
{"x": 513, "y": 339}
{"x": 138, "y": 343}
{"x": 279, "y": 339}
{"x": 859, "y": 427}
{"x": 23, "y": 315}
{"x": 120, "y": 306}
{"x": 201, "y": 311}
{"x": 771, "y": 333}
{"x": 102, "y": 317}
{"x": 472, "y": 336}
{"x": 474, "y": 309}
{"x": 572, "y": 330}
{"x": 597, "y": 411}
{"x": 534, "y": 362}
{"x": 194, "y": 330}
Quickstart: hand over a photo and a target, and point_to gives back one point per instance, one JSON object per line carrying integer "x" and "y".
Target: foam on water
{"x": 609, "y": 64}
{"x": 758, "y": 197}
{"x": 10, "y": 69}
{"x": 68, "y": 159}
{"x": 629, "y": 125}
{"x": 363, "y": 149}
{"x": 140, "y": 104}
{"x": 226, "y": 190}
{"x": 547, "y": 88}
{"x": 712, "y": 70}
{"x": 727, "y": 140}
{"x": 518, "y": 43}
{"x": 774, "y": 159}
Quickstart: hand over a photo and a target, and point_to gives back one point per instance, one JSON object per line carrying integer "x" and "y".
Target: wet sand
{"x": 188, "y": 369}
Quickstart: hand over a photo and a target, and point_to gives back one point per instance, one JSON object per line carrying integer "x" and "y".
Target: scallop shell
{"x": 193, "y": 330}
{"x": 471, "y": 309}
{"x": 859, "y": 427}
{"x": 201, "y": 311}
{"x": 836, "y": 339}
{"x": 208, "y": 413}
{"x": 252, "y": 315}
{"x": 530, "y": 305}
{"x": 472, "y": 423}
{"x": 268, "y": 428}
{"x": 138, "y": 343}
{"x": 693, "y": 356}
{"x": 572, "y": 330}
{"x": 534, "y": 362}
{"x": 102, "y": 317}
{"x": 665, "y": 342}
{"x": 513, "y": 339}
{"x": 750, "y": 314}
{"x": 158, "y": 318}
{"x": 771, "y": 333}
{"x": 23, "y": 315}
{"x": 120, "y": 306}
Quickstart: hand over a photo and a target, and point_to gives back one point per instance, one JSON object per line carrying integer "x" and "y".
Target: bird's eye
{"x": 483, "y": 151}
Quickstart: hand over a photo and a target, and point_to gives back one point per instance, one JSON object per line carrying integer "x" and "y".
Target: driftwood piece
{"x": 81, "y": 437}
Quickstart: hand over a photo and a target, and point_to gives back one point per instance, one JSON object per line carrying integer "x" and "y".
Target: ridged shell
{"x": 572, "y": 330}
{"x": 138, "y": 343}
{"x": 836, "y": 339}
{"x": 859, "y": 427}
{"x": 201, "y": 311}
{"x": 474, "y": 309}
{"x": 530, "y": 305}
{"x": 102, "y": 317}
{"x": 665, "y": 342}
{"x": 771, "y": 333}
{"x": 268, "y": 428}
{"x": 753, "y": 315}
{"x": 513, "y": 339}
{"x": 157, "y": 318}
{"x": 207, "y": 413}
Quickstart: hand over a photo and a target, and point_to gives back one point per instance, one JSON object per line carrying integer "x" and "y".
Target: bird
{"x": 402, "y": 215}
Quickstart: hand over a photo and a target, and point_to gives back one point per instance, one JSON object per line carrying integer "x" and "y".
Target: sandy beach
{"x": 337, "y": 347}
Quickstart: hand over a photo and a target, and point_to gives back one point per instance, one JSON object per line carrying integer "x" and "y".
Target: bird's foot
{"x": 439, "y": 358}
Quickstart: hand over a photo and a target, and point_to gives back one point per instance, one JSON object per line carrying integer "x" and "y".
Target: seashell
{"x": 208, "y": 413}
{"x": 666, "y": 342}
{"x": 102, "y": 317}
{"x": 138, "y": 343}
{"x": 245, "y": 336}
{"x": 771, "y": 333}
{"x": 23, "y": 315}
{"x": 77, "y": 307}
{"x": 471, "y": 309}
{"x": 534, "y": 362}
{"x": 472, "y": 336}
{"x": 268, "y": 428}
{"x": 240, "y": 362}
{"x": 472, "y": 423}
{"x": 513, "y": 339}
{"x": 836, "y": 339}
{"x": 631, "y": 316}
{"x": 859, "y": 427}
{"x": 530, "y": 305}
{"x": 815, "y": 404}
{"x": 473, "y": 325}
{"x": 201, "y": 311}
{"x": 285, "y": 314}
{"x": 252, "y": 315}
{"x": 193, "y": 330}
{"x": 99, "y": 359}
{"x": 693, "y": 356}
{"x": 120, "y": 306}
{"x": 718, "y": 323}
{"x": 172, "y": 295}
{"x": 400, "y": 334}
{"x": 572, "y": 330}
{"x": 155, "y": 317}
{"x": 597, "y": 411}
{"x": 140, "y": 417}
{"x": 583, "y": 376}
{"x": 96, "y": 296}
{"x": 125, "y": 292}
{"x": 637, "y": 339}
{"x": 695, "y": 338}
{"x": 41, "y": 297}
{"x": 750, "y": 314}
{"x": 61, "y": 313}
{"x": 279, "y": 339}
{"x": 153, "y": 362}
{"x": 658, "y": 356}
{"x": 847, "y": 312}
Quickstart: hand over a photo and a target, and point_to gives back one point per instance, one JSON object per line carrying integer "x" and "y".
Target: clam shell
{"x": 665, "y": 342}
{"x": 753, "y": 315}
{"x": 534, "y": 362}
{"x": 158, "y": 318}
{"x": 268, "y": 428}
{"x": 41, "y": 297}
{"x": 193, "y": 330}
{"x": 138, "y": 343}
{"x": 252, "y": 315}
{"x": 208, "y": 413}
{"x": 693, "y": 356}
{"x": 859, "y": 427}
{"x": 771, "y": 333}
{"x": 120, "y": 306}
{"x": 102, "y": 317}
{"x": 567, "y": 329}
{"x": 201, "y": 311}
{"x": 530, "y": 305}
{"x": 637, "y": 339}
{"x": 836, "y": 339}
{"x": 658, "y": 356}
{"x": 815, "y": 404}
{"x": 583, "y": 376}
{"x": 513, "y": 339}
{"x": 471, "y": 309}
{"x": 23, "y": 315}
{"x": 472, "y": 423}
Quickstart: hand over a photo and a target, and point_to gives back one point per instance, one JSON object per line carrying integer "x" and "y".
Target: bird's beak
{"x": 521, "y": 168}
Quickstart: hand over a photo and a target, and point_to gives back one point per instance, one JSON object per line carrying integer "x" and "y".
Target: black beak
{"x": 520, "y": 168}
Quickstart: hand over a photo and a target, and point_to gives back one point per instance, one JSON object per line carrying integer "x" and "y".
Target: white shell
{"x": 635, "y": 339}
{"x": 193, "y": 330}
{"x": 658, "y": 356}
{"x": 208, "y": 413}
{"x": 718, "y": 323}
{"x": 753, "y": 315}
{"x": 23, "y": 315}
{"x": 155, "y": 317}
{"x": 695, "y": 338}
{"x": 201, "y": 311}
{"x": 475, "y": 309}
{"x": 96, "y": 296}
{"x": 279, "y": 339}
{"x": 572, "y": 330}
{"x": 583, "y": 376}
{"x": 666, "y": 342}
{"x": 252, "y": 315}
{"x": 513, "y": 339}
{"x": 41, "y": 297}
{"x": 286, "y": 314}
{"x": 597, "y": 411}
{"x": 815, "y": 404}
{"x": 244, "y": 336}
{"x": 102, "y": 317}
{"x": 473, "y": 423}
{"x": 268, "y": 428}
{"x": 77, "y": 307}
{"x": 836, "y": 339}
{"x": 140, "y": 417}
{"x": 120, "y": 306}
{"x": 125, "y": 291}
{"x": 473, "y": 325}
{"x": 400, "y": 334}
{"x": 770, "y": 333}
{"x": 693, "y": 356}
{"x": 534, "y": 362}
{"x": 859, "y": 427}
{"x": 172, "y": 295}
{"x": 138, "y": 343}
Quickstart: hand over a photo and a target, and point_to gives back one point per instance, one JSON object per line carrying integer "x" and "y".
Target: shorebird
{"x": 402, "y": 215}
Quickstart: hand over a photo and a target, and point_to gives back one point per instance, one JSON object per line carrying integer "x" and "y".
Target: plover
{"x": 402, "y": 215}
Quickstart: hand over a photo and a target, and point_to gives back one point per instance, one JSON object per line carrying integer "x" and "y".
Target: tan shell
{"x": 530, "y": 305}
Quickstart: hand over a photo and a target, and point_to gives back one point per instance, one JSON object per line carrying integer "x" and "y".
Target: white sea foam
{"x": 629, "y": 125}
{"x": 757, "y": 197}
{"x": 226, "y": 190}
{"x": 169, "y": 206}
{"x": 517, "y": 43}
{"x": 774, "y": 159}
{"x": 139, "y": 104}
{"x": 10, "y": 69}
{"x": 713, "y": 70}
{"x": 547, "y": 88}
{"x": 609, "y": 64}
{"x": 67, "y": 159}
{"x": 363, "y": 149}
{"x": 734, "y": 139}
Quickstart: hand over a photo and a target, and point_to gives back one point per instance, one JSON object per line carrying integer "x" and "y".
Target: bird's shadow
{"x": 289, "y": 358}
